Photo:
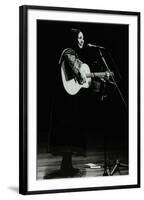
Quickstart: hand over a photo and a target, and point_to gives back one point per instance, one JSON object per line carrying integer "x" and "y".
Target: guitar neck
{"x": 96, "y": 74}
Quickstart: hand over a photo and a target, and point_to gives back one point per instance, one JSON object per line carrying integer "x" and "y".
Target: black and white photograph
{"x": 80, "y": 131}
{"x": 82, "y": 93}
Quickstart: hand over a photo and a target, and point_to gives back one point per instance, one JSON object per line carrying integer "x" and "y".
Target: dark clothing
{"x": 76, "y": 117}
{"x": 66, "y": 133}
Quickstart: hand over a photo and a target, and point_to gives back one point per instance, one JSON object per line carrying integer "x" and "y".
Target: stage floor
{"x": 90, "y": 165}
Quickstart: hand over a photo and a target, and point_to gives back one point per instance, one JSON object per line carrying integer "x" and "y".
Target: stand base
{"x": 105, "y": 173}
{"x": 109, "y": 172}
{"x": 117, "y": 167}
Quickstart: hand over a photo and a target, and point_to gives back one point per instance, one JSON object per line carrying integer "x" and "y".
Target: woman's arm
{"x": 75, "y": 65}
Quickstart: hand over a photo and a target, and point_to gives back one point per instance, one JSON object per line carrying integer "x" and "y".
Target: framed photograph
{"x": 79, "y": 99}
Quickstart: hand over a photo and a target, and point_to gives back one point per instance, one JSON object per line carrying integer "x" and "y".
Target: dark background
{"x": 51, "y": 40}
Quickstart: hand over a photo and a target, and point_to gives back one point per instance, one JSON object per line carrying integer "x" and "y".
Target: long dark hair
{"x": 73, "y": 38}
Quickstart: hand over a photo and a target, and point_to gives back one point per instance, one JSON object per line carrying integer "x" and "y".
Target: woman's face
{"x": 80, "y": 40}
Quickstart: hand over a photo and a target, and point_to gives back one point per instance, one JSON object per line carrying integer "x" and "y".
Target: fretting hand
{"x": 108, "y": 75}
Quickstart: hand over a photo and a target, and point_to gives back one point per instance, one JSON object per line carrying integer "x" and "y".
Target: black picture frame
{"x": 24, "y": 83}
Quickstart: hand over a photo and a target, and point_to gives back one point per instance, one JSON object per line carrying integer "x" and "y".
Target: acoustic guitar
{"x": 70, "y": 83}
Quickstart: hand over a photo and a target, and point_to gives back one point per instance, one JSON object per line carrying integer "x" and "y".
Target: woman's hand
{"x": 108, "y": 75}
{"x": 81, "y": 77}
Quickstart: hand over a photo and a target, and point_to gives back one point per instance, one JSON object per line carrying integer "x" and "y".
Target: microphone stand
{"x": 107, "y": 162}
{"x": 119, "y": 91}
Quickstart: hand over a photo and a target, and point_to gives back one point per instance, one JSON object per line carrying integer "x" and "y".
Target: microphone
{"x": 96, "y": 46}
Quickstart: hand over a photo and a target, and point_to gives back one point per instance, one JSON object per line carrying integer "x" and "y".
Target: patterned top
{"x": 72, "y": 60}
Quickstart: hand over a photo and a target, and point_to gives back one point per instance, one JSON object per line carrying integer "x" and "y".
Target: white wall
{"x": 9, "y": 97}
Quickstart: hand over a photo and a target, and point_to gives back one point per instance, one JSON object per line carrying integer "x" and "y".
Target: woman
{"x": 67, "y": 136}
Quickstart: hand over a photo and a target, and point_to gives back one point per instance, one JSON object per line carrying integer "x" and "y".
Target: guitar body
{"x": 70, "y": 83}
